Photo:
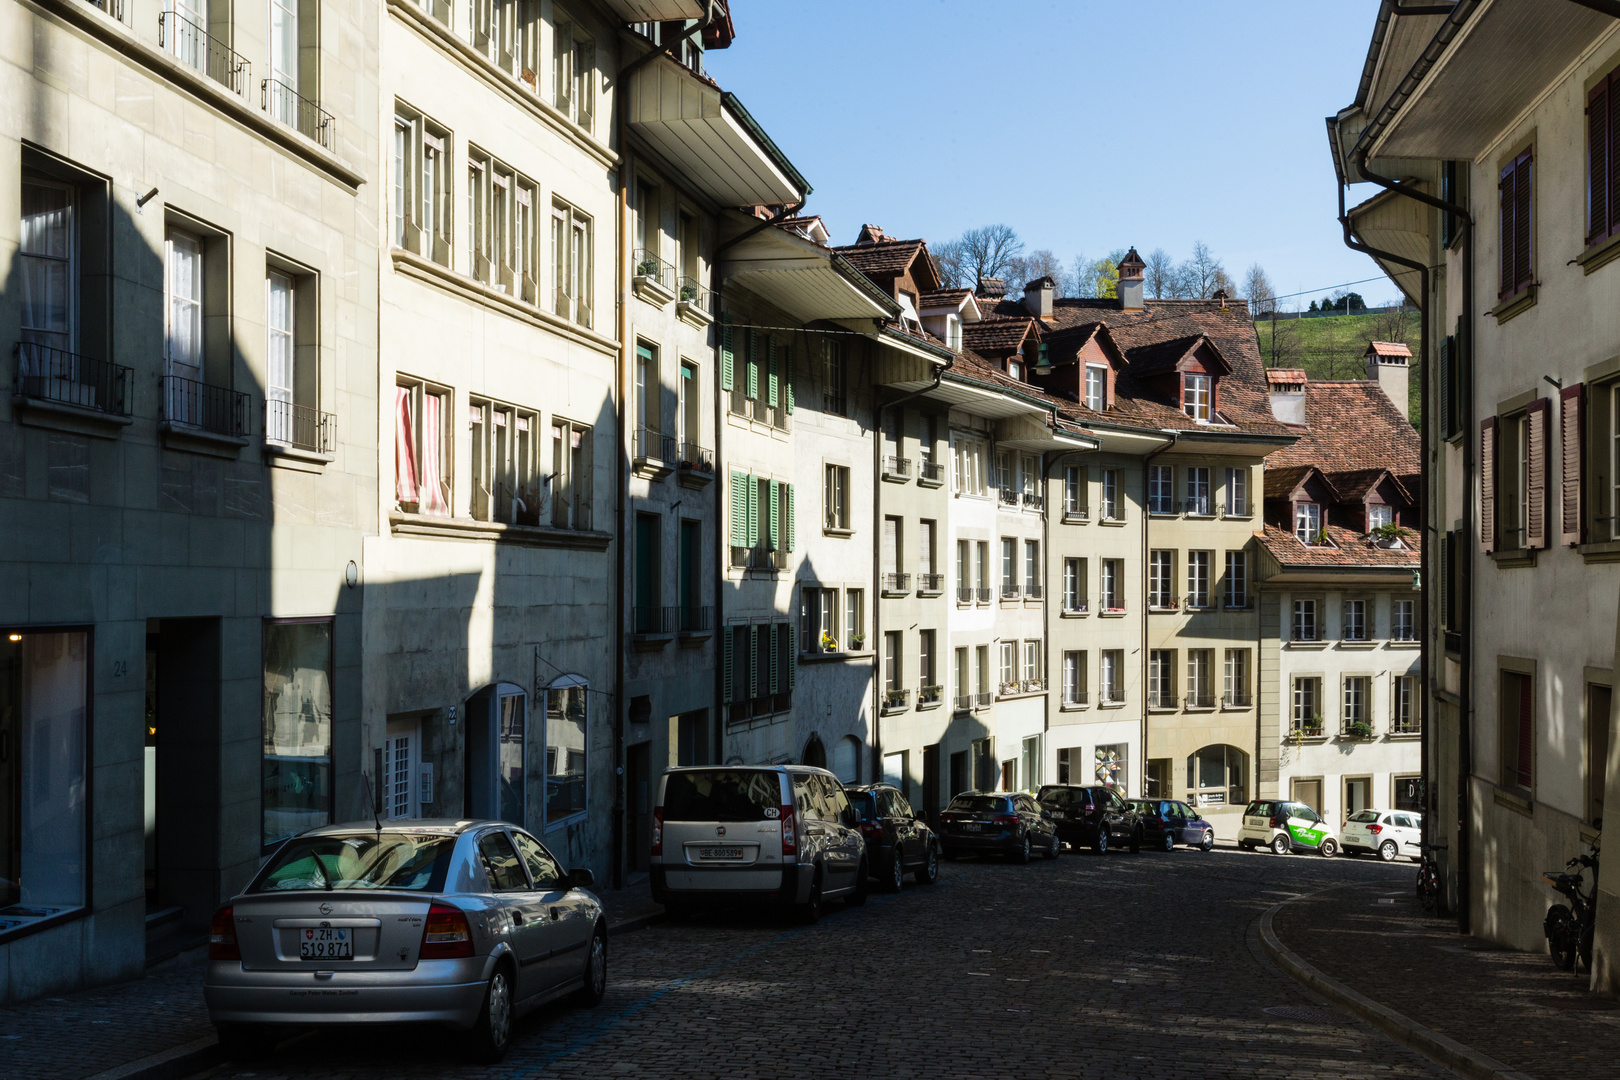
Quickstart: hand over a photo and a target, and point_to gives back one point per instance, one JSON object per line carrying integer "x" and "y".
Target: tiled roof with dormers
{"x": 943, "y": 298}
{"x": 883, "y": 258}
{"x": 1351, "y": 426}
{"x": 1347, "y": 548}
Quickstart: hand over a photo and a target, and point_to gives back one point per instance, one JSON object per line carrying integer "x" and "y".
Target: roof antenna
{"x": 376, "y": 807}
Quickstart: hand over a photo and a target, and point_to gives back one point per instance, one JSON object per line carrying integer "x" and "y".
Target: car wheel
{"x": 490, "y": 1036}
{"x": 858, "y": 897}
{"x": 590, "y": 995}
{"x": 1388, "y": 850}
{"x": 1021, "y": 853}
{"x": 1136, "y": 841}
{"x": 928, "y": 872}
{"x": 1279, "y": 844}
{"x": 1169, "y": 841}
{"x": 1329, "y": 848}
{"x": 245, "y": 1042}
{"x": 810, "y": 910}
{"x": 897, "y": 876}
{"x": 1054, "y": 847}
{"x": 1208, "y": 843}
{"x": 1099, "y": 846}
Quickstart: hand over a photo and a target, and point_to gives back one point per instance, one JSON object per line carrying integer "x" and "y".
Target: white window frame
{"x": 1237, "y": 492}
{"x": 1307, "y": 522}
{"x": 1198, "y": 578}
{"x": 1196, "y": 392}
{"x": 1096, "y": 387}
{"x": 1403, "y": 620}
{"x": 1305, "y": 619}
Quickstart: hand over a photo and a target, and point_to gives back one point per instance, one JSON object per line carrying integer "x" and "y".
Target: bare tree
{"x": 953, "y": 272}
{"x": 1038, "y": 264}
{"x": 1258, "y": 291}
{"x": 1159, "y": 274}
{"x": 1074, "y": 280}
{"x": 988, "y": 251}
{"x": 1280, "y": 338}
{"x": 1102, "y": 276}
{"x": 1393, "y": 325}
{"x": 1199, "y": 272}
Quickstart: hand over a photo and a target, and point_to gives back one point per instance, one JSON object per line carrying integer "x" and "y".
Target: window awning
{"x": 708, "y": 135}
{"x": 799, "y": 276}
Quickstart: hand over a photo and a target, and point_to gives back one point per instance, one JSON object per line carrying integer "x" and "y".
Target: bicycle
{"x": 1428, "y": 879}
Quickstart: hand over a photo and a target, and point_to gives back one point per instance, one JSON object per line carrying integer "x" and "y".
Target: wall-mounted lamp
{"x": 140, "y": 203}
{"x": 351, "y": 574}
{"x": 1559, "y": 383}
{"x": 1417, "y": 579}
{"x": 14, "y": 637}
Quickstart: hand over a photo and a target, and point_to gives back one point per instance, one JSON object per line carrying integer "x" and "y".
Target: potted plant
{"x": 689, "y": 292}
{"x": 1388, "y": 536}
{"x": 829, "y": 643}
{"x": 647, "y": 268}
{"x": 857, "y": 642}
{"x": 1360, "y": 729}
{"x": 1313, "y": 726}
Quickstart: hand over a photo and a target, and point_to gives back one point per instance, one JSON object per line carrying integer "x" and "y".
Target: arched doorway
{"x": 815, "y": 754}
{"x": 846, "y": 760}
{"x": 1217, "y": 775}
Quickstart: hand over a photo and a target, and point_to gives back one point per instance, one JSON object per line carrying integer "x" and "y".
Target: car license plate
{"x": 325, "y": 943}
{"x": 972, "y": 826}
{"x": 720, "y": 853}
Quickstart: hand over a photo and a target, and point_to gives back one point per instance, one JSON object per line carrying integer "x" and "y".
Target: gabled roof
{"x": 877, "y": 256}
{"x": 1353, "y": 427}
{"x": 1286, "y": 376}
{"x": 1283, "y": 482}
{"x": 1388, "y": 348}
{"x": 961, "y": 301}
{"x": 1161, "y": 357}
{"x": 1001, "y": 334}
{"x": 1348, "y": 548}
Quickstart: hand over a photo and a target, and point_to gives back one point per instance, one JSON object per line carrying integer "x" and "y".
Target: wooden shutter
{"x": 1572, "y": 451}
{"x": 793, "y": 658}
{"x": 792, "y": 523}
{"x": 753, "y": 364}
{"x": 775, "y": 667}
{"x": 727, "y": 357}
{"x": 1597, "y": 163}
{"x": 727, "y": 662}
{"x": 772, "y": 374}
{"x": 1448, "y": 381}
{"x": 753, "y": 512}
{"x": 771, "y": 531}
{"x": 753, "y": 661}
{"x": 1487, "y": 484}
{"x": 739, "y": 509}
{"x": 1536, "y": 469}
{"x": 787, "y": 375}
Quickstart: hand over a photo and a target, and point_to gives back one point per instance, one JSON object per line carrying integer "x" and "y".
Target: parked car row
{"x": 1287, "y": 826}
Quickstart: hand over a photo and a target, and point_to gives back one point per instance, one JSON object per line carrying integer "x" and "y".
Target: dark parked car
{"x": 1093, "y": 817}
{"x": 897, "y": 840}
{"x": 996, "y": 822}
{"x": 1167, "y": 822}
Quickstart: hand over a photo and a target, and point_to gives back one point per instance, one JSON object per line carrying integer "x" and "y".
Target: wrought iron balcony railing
{"x": 1076, "y": 697}
{"x": 1237, "y": 699}
{"x": 697, "y": 618}
{"x": 964, "y": 702}
{"x": 219, "y": 410}
{"x": 897, "y": 467}
{"x": 984, "y": 699}
{"x": 650, "y": 445}
{"x": 654, "y": 620}
{"x": 1033, "y": 591}
{"x": 63, "y": 378}
{"x": 299, "y": 426}
{"x": 931, "y": 583}
{"x": 696, "y": 459}
{"x": 1009, "y": 591}
{"x": 649, "y": 267}
{"x": 283, "y": 103}
{"x": 965, "y": 595}
{"x": 1161, "y": 700}
{"x": 896, "y": 583}
{"x": 193, "y": 46}
{"x": 984, "y": 594}
{"x": 1009, "y": 497}
{"x": 692, "y": 292}
{"x": 931, "y": 472}
{"x": 1034, "y": 501}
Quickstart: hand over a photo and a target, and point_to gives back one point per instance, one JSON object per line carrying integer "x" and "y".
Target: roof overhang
{"x": 1391, "y": 222}
{"x": 1234, "y": 442}
{"x": 1383, "y": 574}
{"x": 799, "y": 276}
{"x": 986, "y": 401}
{"x": 904, "y": 363}
{"x": 656, "y": 10}
{"x": 1036, "y": 434}
{"x": 1128, "y": 440}
{"x": 708, "y": 135}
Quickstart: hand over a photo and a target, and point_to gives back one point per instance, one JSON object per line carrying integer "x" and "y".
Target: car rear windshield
{"x": 1364, "y": 815}
{"x": 978, "y": 804}
{"x": 865, "y": 804}
{"x": 1064, "y": 796}
{"x": 723, "y": 795}
{"x": 1258, "y": 809}
{"x": 413, "y": 861}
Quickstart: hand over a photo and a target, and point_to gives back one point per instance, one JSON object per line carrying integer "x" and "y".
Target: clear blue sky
{"x": 1087, "y": 125}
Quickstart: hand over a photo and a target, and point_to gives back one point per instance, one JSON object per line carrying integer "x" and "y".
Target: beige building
{"x": 188, "y": 460}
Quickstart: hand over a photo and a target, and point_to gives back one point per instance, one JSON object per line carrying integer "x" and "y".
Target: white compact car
{"x": 1390, "y": 833}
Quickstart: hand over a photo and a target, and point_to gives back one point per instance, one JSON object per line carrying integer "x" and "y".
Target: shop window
{"x": 1110, "y": 765}
{"x": 1216, "y": 776}
{"x": 297, "y": 723}
{"x": 566, "y": 747}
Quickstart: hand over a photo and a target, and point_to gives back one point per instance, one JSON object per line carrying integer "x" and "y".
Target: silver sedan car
{"x": 464, "y": 923}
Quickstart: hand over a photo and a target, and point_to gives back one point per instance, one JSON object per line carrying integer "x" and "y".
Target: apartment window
{"x": 183, "y": 340}
{"x": 1513, "y": 476}
{"x": 571, "y": 476}
{"x": 573, "y": 66}
{"x": 1032, "y": 568}
{"x": 1356, "y": 691}
{"x": 571, "y": 264}
{"x": 567, "y": 749}
{"x": 1111, "y": 684}
{"x": 1516, "y": 732}
{"x": 1162, "y": 678}
{"x": 1517, "y": 237}
{"x": 1009, "y": 566}
{"x": 953, "y": 333}
{"x": 964, "y": 691}
{"x": 855, "y": 618}
{"x": 1161, "y": 579}
{"x": 1029, "y": 476}
{"x": 1161, "y": 489}
{"x": 1402, "y": 620}
{"x": 1308, "y": 522}
{"x": 964, "y": 573}
{"x": 1074, "y": 677}
{"x": 835, "y": 498}
{"x": 1198, "y": 579}
{"x": 1074, "y": 491}
{"x": 818, "y": 619}
{"x": 926, "y": 565}
{"x": 1237, "y": 492}
{"x": 44, "y": 775}
{"x": 1603, "y": 159}
{"x": 422, "y": 219}
{"x": 893, "y": 540}
{"x": 647, "y": 232}
{"x": 1110, "y": 595}
{"x": 1009, "y": 667}
{"x": 504, "y": 446}
{"x": 892, "y": 679}
{"x": 1195, "y": 396}
{"x": 689, "y": 413}
{"x": 282, "y": 347}
{"x": 1112, "y": 507}
{"x": 925, "y": 446}
{"x": 647, "y": 584}
{"x": 422, "y": 443}
{"x": 48, "y": 267}
{"x": 1198, "y": 501}
{"x": 1005, "y": 477}
{"x": 1355, "y": 620}
{"x": 1304, "y": 626}
{"x": 690, "y": 237}
{"x": 480, "y": 216}
{"x": 297, "y": 727}
{"x": 1235, "y": 683}
{"x": 1032, "y": 665}
{"x": 1237, "y": 579}
{"x": 925, "y": 660}
{"x": 645, "y": 401}
{"x": 1404, "y": 706}
{"x": 1598, "y": 701}
{"x": 1307, "y": 706}
{"x": 1200, "y": 678}
{"x": 983, "y": 552}
{"x": 1074, "y": 585}
{"x": 1096, "y": 387}
{"x": 969, "y": 466}
{"x": 834, "y": 392}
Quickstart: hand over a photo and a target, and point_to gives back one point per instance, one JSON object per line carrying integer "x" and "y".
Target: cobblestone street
{"x": 1140, "y": 966}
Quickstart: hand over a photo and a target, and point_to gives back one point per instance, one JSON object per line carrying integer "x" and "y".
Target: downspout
{"x": 1147, "y": 518}
{"x": 621, "y": 705}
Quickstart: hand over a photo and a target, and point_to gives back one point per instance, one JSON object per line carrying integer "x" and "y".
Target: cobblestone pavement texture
{"x": 1516, "y": 1007}
{"x": 1123, "y": 966}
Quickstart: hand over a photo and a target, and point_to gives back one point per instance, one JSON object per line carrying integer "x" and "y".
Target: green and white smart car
{"x": 1284, "y": 827}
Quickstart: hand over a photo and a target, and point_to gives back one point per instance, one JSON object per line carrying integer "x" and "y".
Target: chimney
{"x": 870, "y": 234}
{"x": 1130, "y": 281}
{"x": 1287, "y": 386}
{"x": 991, "y": 288}
{"x": 1038, "y": 297}
{"x": 1389, "y": 363}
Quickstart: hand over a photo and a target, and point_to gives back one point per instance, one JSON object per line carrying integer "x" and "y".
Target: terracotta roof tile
{"x": 999, "y": 334}
{"x": 1352, "y": 426}
{"x": 1287, "y": 376}
{"x": 943, "y": 298}
{"x": 1349, "y": 548}
{"x": 1388, "y": 348}
{"x": 884, "y": 257}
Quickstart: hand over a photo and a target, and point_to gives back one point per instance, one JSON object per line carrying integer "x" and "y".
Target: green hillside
{"x": 1335, "y": 347}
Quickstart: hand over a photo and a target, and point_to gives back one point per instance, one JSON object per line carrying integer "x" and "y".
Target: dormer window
{"x": 1015, "y": 366}
{"x": 1379, "y": 515}
{"x": 953, "y": 332}
{"x": 1307, "y": 522}
{"x": 1195, "y": 396}
{"x": 1096, "y": 387}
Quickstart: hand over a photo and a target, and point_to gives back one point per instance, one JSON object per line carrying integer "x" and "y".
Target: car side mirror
{"x": 1047, "y": 814}
{"x": 580, "y": 878}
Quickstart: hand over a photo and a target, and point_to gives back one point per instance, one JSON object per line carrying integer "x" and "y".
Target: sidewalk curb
{"x": 1441, "y": 1049}
{"x": 170, "y": 1064}
{"x": 636, "y": 922}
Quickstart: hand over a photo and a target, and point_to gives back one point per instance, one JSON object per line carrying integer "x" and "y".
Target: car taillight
{"x": 872, "y": 829}
{"x": 222, "y": 936}
{"x": 1004, "y": 819}
{"x": 1375, "y": 829}
{"x": 1276, "y": 822}
{"x": 447, "y": 936}
{"x": 790, "y": 835}
{"x": 658, "y": 830}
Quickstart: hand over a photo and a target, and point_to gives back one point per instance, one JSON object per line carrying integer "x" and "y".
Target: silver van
{"x": 782, "y": 834}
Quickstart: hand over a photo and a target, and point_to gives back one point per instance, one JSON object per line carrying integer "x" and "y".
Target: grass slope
{"x": 1335, "y": 347}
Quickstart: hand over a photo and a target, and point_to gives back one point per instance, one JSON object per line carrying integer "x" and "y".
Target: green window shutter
{"x": 739, "y": 509}
{"x": 1448, "y": 378}
{"x": 727, "y": 355}
{"x": 776, "y": 673}
{"x": 753, "y": 661}
{"x": 752, "y": 499}
{"x": 726, "y": 663}
{"x": 793, "y": 658}
{"x": 792, "y": 522}
{"x": 753, "y": 364}
{"x": 772, "y": 532}
{"x": 787, "y": 376}
{"x": 773, "y": 354}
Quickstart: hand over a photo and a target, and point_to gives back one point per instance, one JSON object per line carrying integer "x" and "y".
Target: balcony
{"x": 931, "y": 474}
{"x": 757, "y": 558}
{"x": 1237, "y": 699}
{"x": 1076, "y": 514}
{"x": 929, "y": 696}
{"x": 696, "y": 620}
{"x": 283, "y": 103}
{"x": 695, "y": 304}
{"x": 56, "y": 378}
{"x": 1008, "y": 497}
{"x": 982, "y": 595}
{"x": 1199, "y": 506}
{"x": 1076, "y": 699}
{"x": 1200, "y": 700}
{"x": 654, "y": 622}
{"x": 896, "y": 469}
{"x": 757, "y": 408}
{"x": 652, "y": 279}
{"x": 1076, "y": 605}
{"x": 652, "y": 453}
{"x": 896, "y": 584}
{"x": 931, "y": 584}
{"x": 965, "y": 702}
{"x": 1033, "y": 501}
{"x": 1033, "y": 591}
{"x": 983, "y": 700}
{"x": 1032, "y": 686}
{"x": 696, "y": 465}
{"x": 1009, "y": 689}
{"x": 1163, "y": 602}
{"x": 1163, "y": 699}
{"x": 896, "y": 700}
{"x": 217, "y": 413}
{"x": 965, "y": 596}
{"x": 299, "y": 427}
{"x": 192, "y": 45}
{"x": 122, "y": 10}
{"x": 1009, "y": 591}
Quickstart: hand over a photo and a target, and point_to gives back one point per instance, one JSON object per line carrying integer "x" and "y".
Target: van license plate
{"x": 720, "y": 853}
{"x": 325, "y": 943}
{"x": 972, "y": 826}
